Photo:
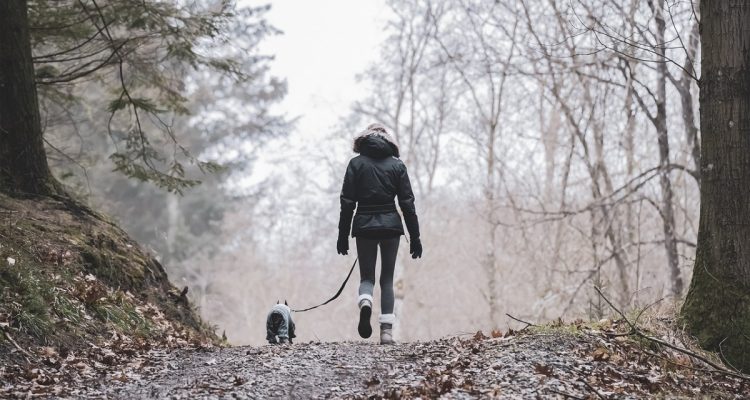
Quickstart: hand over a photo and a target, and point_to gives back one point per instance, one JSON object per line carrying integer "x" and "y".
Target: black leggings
{"x": 367, "y": 251}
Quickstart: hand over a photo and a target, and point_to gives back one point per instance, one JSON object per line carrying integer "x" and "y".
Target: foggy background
{"x": 552, "y": 146}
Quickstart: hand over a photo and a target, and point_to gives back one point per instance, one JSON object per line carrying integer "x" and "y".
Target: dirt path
{"x": 530, "y": 366}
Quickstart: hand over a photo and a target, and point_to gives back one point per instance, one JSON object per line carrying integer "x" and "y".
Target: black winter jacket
{"x": 372, "y": 180}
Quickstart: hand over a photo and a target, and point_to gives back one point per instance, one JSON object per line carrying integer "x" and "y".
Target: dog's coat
{"x": 279, "y": 324}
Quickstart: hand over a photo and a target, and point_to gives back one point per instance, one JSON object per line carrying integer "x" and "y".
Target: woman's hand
{"x": 415, "y": 248}
{"x": 342, "y": 246}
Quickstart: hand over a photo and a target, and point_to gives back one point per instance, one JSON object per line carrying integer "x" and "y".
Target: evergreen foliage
{"x": 137, "y": 61}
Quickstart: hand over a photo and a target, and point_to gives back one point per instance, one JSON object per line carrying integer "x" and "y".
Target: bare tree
{"x": 717, "y": 307}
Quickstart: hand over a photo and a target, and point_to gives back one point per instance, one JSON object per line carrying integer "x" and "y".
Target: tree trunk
{"x": 717, "y": 307}
{"x": 667, "y": 210}
{"x": 173, "y": 228}
{"x": 491, "y": 258}
{"x": 23, "y": 160}
{"x": 684, "y": 88}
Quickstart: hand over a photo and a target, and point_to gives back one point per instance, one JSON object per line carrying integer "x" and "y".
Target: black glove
{"x": 415, "y": 248}
{"x": 342, "y": 246}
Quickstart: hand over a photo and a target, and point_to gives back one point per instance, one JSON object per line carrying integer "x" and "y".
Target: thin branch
{"x": 528, "y": 324}
{"x": 593, "y": 389}
{"x": 25, "y": 353}
{"x": 661, "y": 57}
{"x": 74, "y": 48}
{"x": 80, "y": 72}
{"x": 74, "y": 161}
{"x": 637, "y": 332}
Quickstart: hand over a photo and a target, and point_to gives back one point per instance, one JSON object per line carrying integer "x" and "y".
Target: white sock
{"x": 364, "y": 299}
{"x": 387, "y": 319}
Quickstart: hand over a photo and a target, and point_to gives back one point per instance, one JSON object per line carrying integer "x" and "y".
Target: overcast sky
{"x": 324, "y": 45}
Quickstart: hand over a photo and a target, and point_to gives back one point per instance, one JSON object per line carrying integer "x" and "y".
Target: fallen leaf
{"x": 239, "y": 381}
{"x": 543, "y": 369}
{"x": 48, "y": 351}
{"x": 601, "y": 354}
{"x": 372, "y": 381}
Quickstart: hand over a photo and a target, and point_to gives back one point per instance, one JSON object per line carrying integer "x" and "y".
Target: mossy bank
{"x": 71, "y": 278}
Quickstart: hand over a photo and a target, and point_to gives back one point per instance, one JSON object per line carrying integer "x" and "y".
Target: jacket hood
{"x": 375, "y": 142}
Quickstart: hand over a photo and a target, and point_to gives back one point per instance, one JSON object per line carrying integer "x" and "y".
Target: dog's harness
{"x": 335, "y": 296}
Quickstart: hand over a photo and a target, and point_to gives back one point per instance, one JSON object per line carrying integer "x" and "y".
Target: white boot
{"x": 386, "y": 328}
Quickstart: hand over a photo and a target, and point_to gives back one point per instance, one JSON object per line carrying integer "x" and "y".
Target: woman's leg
{"x": 367, "y": 251}
{"x": 388, "y": 253}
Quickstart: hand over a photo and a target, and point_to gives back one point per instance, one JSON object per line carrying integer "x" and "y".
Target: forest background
{"x": 553, "y": 146}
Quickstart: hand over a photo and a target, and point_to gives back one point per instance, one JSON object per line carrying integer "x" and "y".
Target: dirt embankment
{"x": 72, "y": 282}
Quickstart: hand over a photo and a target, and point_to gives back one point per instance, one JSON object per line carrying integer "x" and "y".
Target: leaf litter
{"x": 587, "y": 364}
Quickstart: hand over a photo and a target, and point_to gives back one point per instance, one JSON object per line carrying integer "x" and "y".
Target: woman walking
{"x": 372, "y": 180}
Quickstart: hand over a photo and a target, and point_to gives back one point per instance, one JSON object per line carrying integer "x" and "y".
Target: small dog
{"x": 279, "y": 324}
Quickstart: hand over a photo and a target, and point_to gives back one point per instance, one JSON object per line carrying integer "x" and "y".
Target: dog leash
{"x": 341, "y": 289}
